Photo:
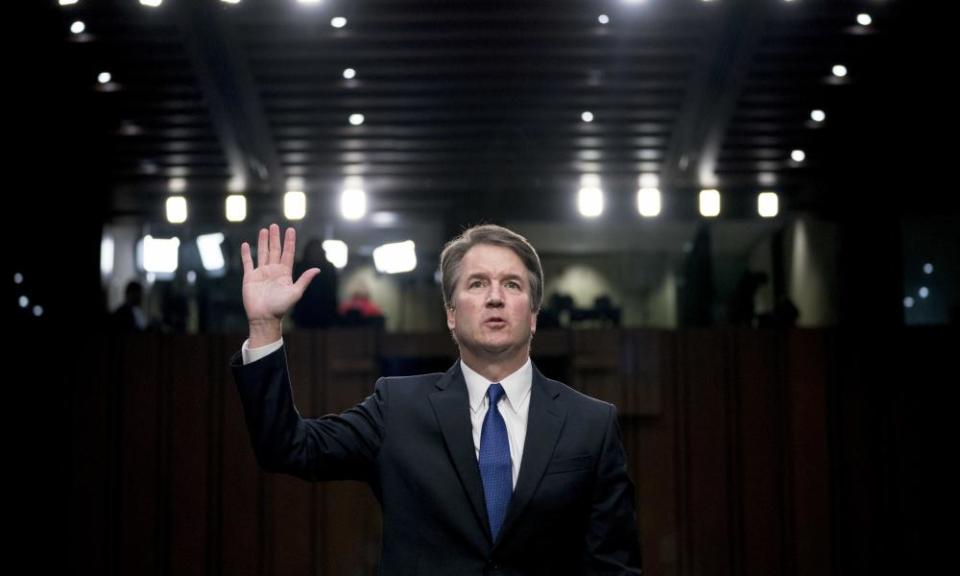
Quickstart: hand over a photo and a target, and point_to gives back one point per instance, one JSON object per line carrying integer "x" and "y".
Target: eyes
{"x": 482, "y": 283}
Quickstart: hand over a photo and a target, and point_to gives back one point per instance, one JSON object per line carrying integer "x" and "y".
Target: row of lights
{"x": 23, "y": 301}
{"x": 923, "y": 292}
{"x": 590, "y": 199}
{"x": 159, "y": 256}
{"x": 590, "y": 202}
{"x": 353, "y": 201}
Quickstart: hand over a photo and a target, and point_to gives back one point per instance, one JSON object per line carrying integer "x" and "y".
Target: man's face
{"x": 490, "y": 315}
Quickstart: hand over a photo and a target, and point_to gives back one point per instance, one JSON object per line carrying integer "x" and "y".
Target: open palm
{"x": 268, "y": 289}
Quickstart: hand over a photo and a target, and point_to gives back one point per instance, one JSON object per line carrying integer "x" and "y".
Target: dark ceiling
{"x": 472, "y": 110}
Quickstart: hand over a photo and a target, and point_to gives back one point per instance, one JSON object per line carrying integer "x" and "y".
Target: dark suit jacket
{"x": 573, "y": 508}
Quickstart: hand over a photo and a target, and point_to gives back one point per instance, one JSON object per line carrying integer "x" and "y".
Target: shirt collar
{"x": 516, "y": 386}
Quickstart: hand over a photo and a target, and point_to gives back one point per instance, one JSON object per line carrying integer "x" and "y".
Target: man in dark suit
{"x": 489, "y": 468}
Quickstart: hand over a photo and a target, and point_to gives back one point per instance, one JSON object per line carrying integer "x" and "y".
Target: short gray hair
{"x": 494, "y": 235}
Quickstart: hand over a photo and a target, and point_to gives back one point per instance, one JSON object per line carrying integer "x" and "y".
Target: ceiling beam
{"x": 231, "y": 94}
{"x": 712, "y": 94}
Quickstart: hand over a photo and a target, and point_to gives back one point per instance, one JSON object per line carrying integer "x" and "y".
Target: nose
{"x": 494, "y": 296}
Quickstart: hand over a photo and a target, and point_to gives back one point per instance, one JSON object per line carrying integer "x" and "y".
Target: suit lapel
{"x": 544, "y": 422}
{"x": 451, "y": 405}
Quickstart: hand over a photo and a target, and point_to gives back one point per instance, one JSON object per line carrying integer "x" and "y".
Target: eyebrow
{"x": 485, "y": 275}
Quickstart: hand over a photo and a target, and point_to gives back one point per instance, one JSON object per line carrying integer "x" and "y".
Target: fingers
{"x": 275, "y": 249}
{"x": 269, "y": 250}
{"x": 289, "y": 248}
{"x": 245, "y": 257}
{"x": 263, "y": 251}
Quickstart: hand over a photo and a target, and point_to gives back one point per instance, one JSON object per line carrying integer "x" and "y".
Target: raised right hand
{"x": 269, "y": 290}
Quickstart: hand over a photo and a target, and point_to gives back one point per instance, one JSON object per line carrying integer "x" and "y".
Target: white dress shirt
{"x": 513, "y": 406}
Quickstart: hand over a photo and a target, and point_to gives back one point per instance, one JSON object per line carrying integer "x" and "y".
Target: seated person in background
{"x": 360, "y": 302}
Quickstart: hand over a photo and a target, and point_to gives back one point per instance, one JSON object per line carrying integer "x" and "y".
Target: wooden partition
{"x": 753, "y": 452}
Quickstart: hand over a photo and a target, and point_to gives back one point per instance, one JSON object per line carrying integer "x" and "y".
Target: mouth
{"x": 495, "y": 322}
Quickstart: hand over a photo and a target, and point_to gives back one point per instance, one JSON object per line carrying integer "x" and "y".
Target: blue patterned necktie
{"x": 496, "y": 467}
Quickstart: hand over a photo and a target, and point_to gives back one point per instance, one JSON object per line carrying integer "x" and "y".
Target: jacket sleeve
{"x": 335, "y": 447}
{"x": 612, "y": 544}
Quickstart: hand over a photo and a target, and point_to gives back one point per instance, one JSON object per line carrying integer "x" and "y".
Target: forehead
{"x": 491, "y": 260}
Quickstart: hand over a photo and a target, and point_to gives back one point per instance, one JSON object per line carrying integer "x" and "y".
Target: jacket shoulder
{"x": 582, "y": 403}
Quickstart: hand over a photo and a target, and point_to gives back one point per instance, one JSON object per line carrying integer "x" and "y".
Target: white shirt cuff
{"x": 253, "y": 354}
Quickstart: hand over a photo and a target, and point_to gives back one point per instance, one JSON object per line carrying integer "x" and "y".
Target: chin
{"x": 499, "y": 347}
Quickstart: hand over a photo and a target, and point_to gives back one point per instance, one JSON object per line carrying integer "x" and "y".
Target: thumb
{"x": 305, "y": 279}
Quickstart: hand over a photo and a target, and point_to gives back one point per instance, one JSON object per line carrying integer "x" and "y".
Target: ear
{"x": 533, "y": 322}
{"x": 451, "y": 318}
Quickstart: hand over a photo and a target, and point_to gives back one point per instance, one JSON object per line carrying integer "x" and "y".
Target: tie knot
{"x": 494, "y": 393}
